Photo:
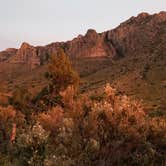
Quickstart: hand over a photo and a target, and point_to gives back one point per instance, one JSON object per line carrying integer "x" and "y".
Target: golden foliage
{"x": 61, "y": 72}
{"x": 115, "y": 128}
{"x": 52, "y": 119}
{"x": 7, "y": 114}
{"x": 9, "y": 119}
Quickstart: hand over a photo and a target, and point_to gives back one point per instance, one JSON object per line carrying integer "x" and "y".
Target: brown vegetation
{"x": 102, "y": 128}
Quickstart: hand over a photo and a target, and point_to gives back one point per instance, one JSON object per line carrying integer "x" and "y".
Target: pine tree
{"x": 61, "y": 73}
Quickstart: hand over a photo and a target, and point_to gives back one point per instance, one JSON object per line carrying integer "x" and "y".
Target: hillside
{"x": 131, "y": 57}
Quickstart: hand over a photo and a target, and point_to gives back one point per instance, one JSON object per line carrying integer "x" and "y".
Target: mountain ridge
{"x": 116, "y": 42}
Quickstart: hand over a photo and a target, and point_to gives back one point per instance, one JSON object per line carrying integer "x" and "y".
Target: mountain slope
{"x": 131, "y": 57}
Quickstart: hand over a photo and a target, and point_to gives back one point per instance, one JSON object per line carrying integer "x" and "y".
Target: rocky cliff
{"x": 6, "y": 54}
{"x": 138, "y": 35}
{"x": 136, "y": 67}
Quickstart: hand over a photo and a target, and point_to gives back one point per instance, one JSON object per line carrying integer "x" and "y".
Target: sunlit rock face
{"x": 26, "y": 54}
{"x": 136, "y": 36}
{"x": 90, "y": 45}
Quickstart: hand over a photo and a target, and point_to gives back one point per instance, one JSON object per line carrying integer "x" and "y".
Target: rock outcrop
{"x": 138, "y": 35}
{"x": 91, "y": 45}
{"x": 5, "y": 55}
{"x": 26, "y": 54}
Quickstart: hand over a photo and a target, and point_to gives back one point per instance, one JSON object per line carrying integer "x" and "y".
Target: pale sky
{"x": 40, "y": 22}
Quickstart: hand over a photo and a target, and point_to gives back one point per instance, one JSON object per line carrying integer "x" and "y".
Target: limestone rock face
{"x": 136, "y": 36}
{"x": 93, "y": 44}
{"x": 90, "y": 45}
{"x": 26, "y": 54}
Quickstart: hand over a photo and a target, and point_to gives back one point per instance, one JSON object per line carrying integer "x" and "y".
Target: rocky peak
{"x": 25, "y": 45}
{"x": 160, "y": 16}
{"x": 79, "y": 36}
{"x": 26, "y": 54}
{"x": 91, "y": 33}
{"x": 143, "y": 15}
{"x": 136, "y": 35}
{"x": 131, "y": 37}
{"x": 90, "y": 45}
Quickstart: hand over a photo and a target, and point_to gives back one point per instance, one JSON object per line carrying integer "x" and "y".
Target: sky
{"x": 40, "y": 22}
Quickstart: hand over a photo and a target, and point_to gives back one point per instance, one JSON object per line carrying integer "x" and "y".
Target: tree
{"x": 61, "y": 73}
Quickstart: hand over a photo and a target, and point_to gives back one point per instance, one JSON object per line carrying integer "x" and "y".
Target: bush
{"x": 10, "y": 120}
{"x": 21, "y": 99}
{"x": 114, "y": 130}
{"x": 111, "y": 131}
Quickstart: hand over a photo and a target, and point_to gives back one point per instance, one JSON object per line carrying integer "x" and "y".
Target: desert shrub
{"x": 21, "y": 100}
{"x": 96, "y": 97}
{"x": 45, "y": 99}
{"x": 7, "y": 118}
{"x": 4, "y": 100}
{"x": 111, "y": 131}
{"x": 156, "y": 113}
{"x": 10, "y": 121}
{"x": 51, "y": 120}
{"x": 29, "y": 148}
{"x": 21, "y": 97}
{"x": 114, "y": 130}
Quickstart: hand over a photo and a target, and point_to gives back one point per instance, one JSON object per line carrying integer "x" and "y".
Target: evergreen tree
{"x": 61, "y": 73}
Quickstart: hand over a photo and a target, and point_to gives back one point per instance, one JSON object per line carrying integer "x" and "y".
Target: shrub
{"x": 21, "y": 100}
{"x": 30, "y": 146}
{"x": 111, "y": 131}
{"x": 10, "y": 120}
{"x": 114, "y": 130}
